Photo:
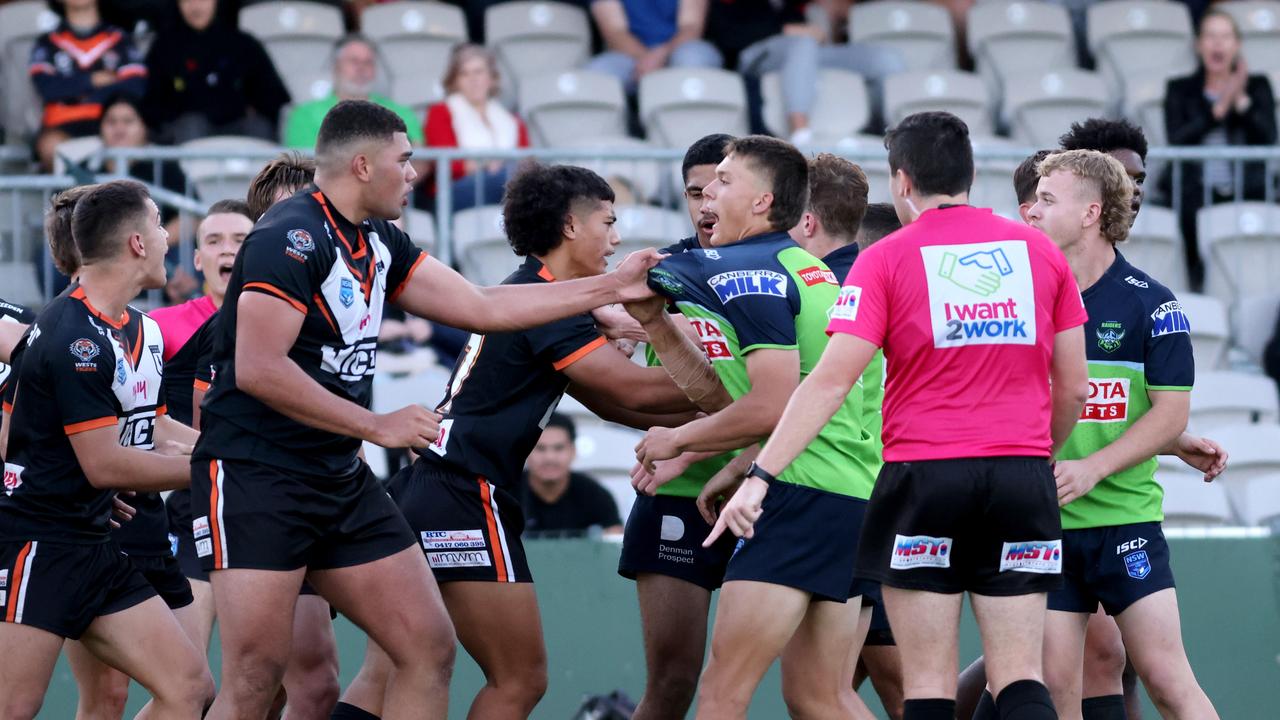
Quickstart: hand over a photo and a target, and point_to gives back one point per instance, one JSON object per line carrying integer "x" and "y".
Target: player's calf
{"x": 311, "y": 677}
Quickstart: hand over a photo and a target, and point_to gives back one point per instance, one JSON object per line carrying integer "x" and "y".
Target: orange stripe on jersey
{"x": 201, "y": 385}
{"x": 162, "y": 410}
{"x": 495, "y": 542}
{"x": 578, "y": 354}
{"x": 270, "y": 289}
{"x": 408, "y": 276}
{"x": 215, "y": 531}
{"x": 88, "y": 425}
{"x": 325, "y": 312}
{"x": 16, "y": 576}
{"x": 545, "y": 274}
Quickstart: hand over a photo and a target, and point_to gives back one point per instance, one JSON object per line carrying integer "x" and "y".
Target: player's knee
{"x": 109, "y": 698}
{"x": 191, "y": 688}
{"x": 808, "y": 704}
{"x": 316, "y": 687}
{"x": 22, "y": 706}
{"x": 1166, "y": 685}
{"x": 1104, "y": 659}
{"x": 671, "y": 691}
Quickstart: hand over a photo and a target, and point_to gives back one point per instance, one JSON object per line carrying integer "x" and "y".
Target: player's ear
{"x": 136, "y": 245}
{"x": 570, "y": 229}
{"x": 360, "y": 167}
{"x": 1092, "y": 214}
{"x": 903, "y": 181}
{"x": 762, "y": 204}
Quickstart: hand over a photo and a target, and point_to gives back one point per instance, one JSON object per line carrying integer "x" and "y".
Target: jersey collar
{"x": 847, "y": 253}
{"x": 79, "y": 294}
{"x": 773, "y": 236}
{"x": 537, "y": 267}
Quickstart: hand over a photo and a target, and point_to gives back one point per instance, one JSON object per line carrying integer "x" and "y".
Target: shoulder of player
{"x": 388, "y": 232}
{"x": 65, "y": 329}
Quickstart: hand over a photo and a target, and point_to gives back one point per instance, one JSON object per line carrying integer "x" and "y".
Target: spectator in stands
{"x": 75, "y": 68}
{"x": 208, "y": 78}
{"x": 1220, "y": 104}
{"x": 641, "y": 36}
{"x": 763, "y": 36}
{"x": 557, "y": 500}
{"x": 472, "y": 119}
{"x": 355, "y": 71}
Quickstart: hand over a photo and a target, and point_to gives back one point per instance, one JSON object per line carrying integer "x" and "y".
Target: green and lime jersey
{"x": 768, "y": 293}
{"x": 871, "y": 384}
{"x": 1137, "y": 340}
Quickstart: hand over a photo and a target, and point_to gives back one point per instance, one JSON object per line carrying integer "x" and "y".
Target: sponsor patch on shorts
{"x": 459, "y": 558}
{"x": 672, "y": 528}
{"x": 204, "y": 547}
{"x": 452, "y": 539}
{"x": 920, "y": 551}
{"x": 1033, "y": 556}
{"x": 4, "y": 579}
{"x": 200, "y": 527}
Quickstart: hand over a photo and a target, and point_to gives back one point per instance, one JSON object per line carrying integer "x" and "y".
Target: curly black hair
{"x": 1105, "y": 136}
{"x": 539, "y": 199}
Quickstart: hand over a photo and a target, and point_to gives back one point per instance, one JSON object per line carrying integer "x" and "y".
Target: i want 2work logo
{"x": 980, "y": 294}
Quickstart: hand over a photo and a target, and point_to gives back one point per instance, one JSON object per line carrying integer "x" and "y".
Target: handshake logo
{"x": 978, "y": 272}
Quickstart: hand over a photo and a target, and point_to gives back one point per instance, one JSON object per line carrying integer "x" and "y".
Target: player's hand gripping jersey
{"x": 767, "y": 292}
{"x": 1137, "y": 340}
{"x": 973, "y": 326}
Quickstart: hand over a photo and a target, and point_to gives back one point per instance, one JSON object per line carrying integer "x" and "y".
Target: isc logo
{"x": 1135, "y": 544}
{"x": 916, "y": 551}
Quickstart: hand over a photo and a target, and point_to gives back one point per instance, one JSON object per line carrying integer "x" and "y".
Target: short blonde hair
{"x": 1107, "y": 177}
{"x": 460, "y": 55}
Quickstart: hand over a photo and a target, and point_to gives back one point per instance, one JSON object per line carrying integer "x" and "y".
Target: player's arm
{"x": 682, "y": 358}
{"x": 10, "y": 336}
{"x": 436, "y": 292}
{"x": 816, "y": 400}
{"x": 1069, "y": 374}
{"x": 607, "y": 377}
{"x": 172, "y": 432}
{"x": 1201, "y": 453}
{"x": 1157, "y": 428}
{"x": 108, "y": 465}
{"x": 774, "y": 374}
{"x": 631, "y": 418}
{"x": 197, "y": 397}
{"x": 266, "y": 328}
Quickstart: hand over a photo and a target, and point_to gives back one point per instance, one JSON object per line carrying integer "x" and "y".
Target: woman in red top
{"x": 471, "y": 118}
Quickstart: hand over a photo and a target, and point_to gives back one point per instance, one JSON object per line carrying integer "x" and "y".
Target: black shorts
{"x": 468, "y": 527}
{"x": 986, "y": 525}
{"x": 166, "y": 576}
{"x": 664, "y": 537}
{"x": 178, "y": 506}
{"x": 1115, "y": 566}
{"x": 879, "y": 633}
{"x": 806, "y": 539}
{"x": 62, "y": 587}
{"x": 250, "y": 515}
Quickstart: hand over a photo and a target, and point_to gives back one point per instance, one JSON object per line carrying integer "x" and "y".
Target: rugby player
{"x": 764, "y": 301}
{"x": 1141, "y": 364}
{"x": 969, "y": 425}
{"x": 662, "y": 546}
{"x": 88, "y": 409}
{"x": 280, "y": 488}
{"x": 459, "y": 496}
{"x": 14, "y": 320}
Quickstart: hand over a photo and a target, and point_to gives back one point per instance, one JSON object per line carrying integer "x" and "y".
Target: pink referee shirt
{"x": 966, "y": 305}
{"x": 179, "y": 322}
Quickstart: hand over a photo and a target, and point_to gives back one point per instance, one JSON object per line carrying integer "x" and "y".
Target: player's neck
{"x": 560, "y": 264}
{"x": 549, "y": 491}
{"x": 83, "y": 18}
{"x": 822, "y": 245}
{"x": 108, "y": 288}
{"x": 344, "y": 194}
{"x": 921, "y": 205}
{"x": 216, "y": 299}
{"x": 1089, "y": 260}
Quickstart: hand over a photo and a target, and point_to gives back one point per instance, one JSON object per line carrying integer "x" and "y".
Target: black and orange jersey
{"x": 338, "y": 275}
{"x": 182, "y": 373}
{"x": 11, "y": 313}
{"x": 80, "y": 371}
{"x": 504, "y": 388}
{"x": 63, "y": 63}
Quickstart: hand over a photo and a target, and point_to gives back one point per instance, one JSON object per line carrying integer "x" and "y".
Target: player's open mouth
{"x": 224, "y": 272}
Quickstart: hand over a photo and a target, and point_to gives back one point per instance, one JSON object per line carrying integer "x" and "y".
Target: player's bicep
{"x": 437, "y": 292}
{"x": 1173, "y": 404}
{"x": 94, "y": 451}
{"x": 10, "y": 336}
{"x": 604, "y": 372}
{"x": 1070, "y": 369}
{"x": 266, "y": 329}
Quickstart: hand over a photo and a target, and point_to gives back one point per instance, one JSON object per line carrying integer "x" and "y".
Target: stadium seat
{"x": 414, "y": 39}
{"x": 922, "y": 32}
{"x": 1232, "y": 398}
{"x": 963, "y": 94}
{"x": 1131, "y": 39}
{"x": 537, "y": 37}
{"x": 1006, "y": 38}
{"x": 19, "y": 282}
{"x": 299, "y": 37}
{"x": 1191, "y": 502}
{"x": 993, "y": 179}
{"x": 1210, "y": 331}
{"x": 480, "y": 245}
{"x": 646, "y": 226}
{"x": 1040, "y": 106}
{"x": 1155, "y": 246}
{"x": 607, "y": 448}
{"x": 76, "y": 150}
{"x": 20, "y": 24}
{"x": 1259, "y": 22}
{"x": 1260, "y": 501}
{"x": 227, "y": 178}
{"x": 869, "y": 153}
{"x": 1240, "y": 243}
{"x": 1253, "y": 321}
{"x": 842, "y": 109}
{"x": 421, "y": 226}
{"x": 680, "y": 105}
{"x": 1254, "y": 452}
{"x": 643, "y": 176}
{"x": 564, "y": 106}
{"x": 1144, "y": 106}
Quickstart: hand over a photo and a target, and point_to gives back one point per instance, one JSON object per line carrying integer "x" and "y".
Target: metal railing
{"x": 655, "y": 170}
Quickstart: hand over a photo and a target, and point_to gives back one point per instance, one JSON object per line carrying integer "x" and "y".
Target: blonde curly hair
{"x": 1108, "y": 179}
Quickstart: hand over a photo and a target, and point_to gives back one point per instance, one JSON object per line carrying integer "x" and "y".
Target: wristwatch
{"x": 754, "y": 470}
